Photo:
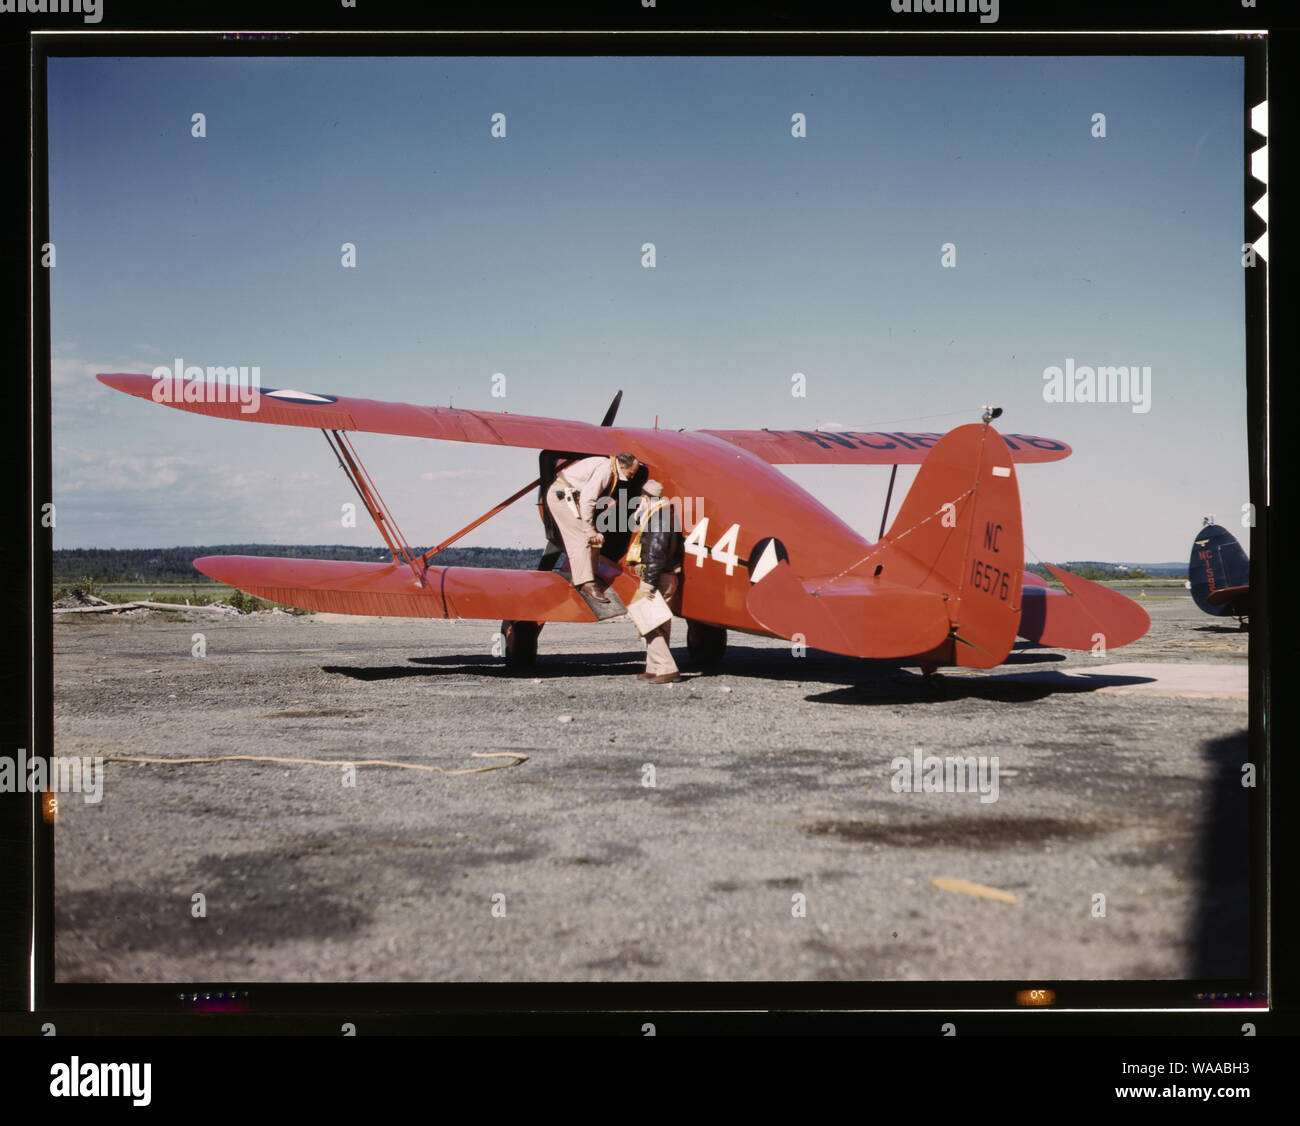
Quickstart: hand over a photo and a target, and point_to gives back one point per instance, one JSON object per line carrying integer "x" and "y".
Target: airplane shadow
{"x": 1222, "y": 629}
{"x": 545, "y": 668}
{"x": 1033, "y": 657}
{"x": 863, "y": 681}
{"x": 569, "y": 666}
{"x": 908, "y": 688}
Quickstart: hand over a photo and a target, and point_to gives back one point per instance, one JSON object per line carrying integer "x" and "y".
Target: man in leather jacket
{"x": 661, "y": 554}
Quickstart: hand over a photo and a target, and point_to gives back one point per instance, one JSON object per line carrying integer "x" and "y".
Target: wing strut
{"x": 424, "y": 559}
{"x": 351, "y": 465}
{"x": 608, "y": 420}
{"x": 888, "y": 496}
{"x": 486, "y": 516}
{"x": 356, "y": 473}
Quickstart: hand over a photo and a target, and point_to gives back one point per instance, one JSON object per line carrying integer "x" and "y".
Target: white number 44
{"x": 724, "y": 551}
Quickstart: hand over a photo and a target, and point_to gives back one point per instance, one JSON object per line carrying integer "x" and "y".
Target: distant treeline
{"x": 1102, "y": 571}
{"x": 176, "y": 564}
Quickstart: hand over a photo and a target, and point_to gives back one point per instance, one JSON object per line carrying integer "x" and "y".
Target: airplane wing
{"x": 335, "y": 412}
{"x": 845, "y": 447}
{"x": 389, "y": 590}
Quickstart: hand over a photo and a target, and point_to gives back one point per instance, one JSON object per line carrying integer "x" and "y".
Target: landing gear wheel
{"x": 521, "y": 643}
{"x": 933, "y": 685}
{"x": 706, "y": 644}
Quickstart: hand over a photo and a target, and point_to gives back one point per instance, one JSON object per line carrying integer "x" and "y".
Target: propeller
{"x": 608, "y": 420}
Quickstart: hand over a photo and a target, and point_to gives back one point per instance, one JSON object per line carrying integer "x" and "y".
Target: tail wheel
{"x": 706, "y": 644}
{"x": 521, "y": 643}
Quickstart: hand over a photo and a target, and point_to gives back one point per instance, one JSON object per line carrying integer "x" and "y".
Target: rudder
{"x": 959, "y": 534}
{"x": 1218, "y": 571}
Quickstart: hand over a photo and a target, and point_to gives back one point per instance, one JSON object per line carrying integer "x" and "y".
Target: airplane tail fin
{"x": 958, "y": 534}
{"x": 1218, "y": 571}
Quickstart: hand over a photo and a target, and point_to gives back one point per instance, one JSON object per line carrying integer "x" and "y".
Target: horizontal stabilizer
{"x": 1086, "y": 615}
{"x": 854, "y": 616}
{"x": 1228, "y": 594}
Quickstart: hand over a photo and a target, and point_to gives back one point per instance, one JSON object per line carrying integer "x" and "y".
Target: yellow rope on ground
{"x": 518, "y": 758}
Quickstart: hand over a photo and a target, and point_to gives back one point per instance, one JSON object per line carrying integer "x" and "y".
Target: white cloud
{"x": 114, "y": 471}
{"x": 68, "y": 372}
{"x": 76, "y": 396}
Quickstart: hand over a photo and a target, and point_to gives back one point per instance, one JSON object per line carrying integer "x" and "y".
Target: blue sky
{"x": 522, "y": 255}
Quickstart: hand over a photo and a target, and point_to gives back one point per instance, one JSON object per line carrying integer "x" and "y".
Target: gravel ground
{"x": 770, "y": 846}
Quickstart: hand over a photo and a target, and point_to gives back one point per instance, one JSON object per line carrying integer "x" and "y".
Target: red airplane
{"x": 946, "y": 585}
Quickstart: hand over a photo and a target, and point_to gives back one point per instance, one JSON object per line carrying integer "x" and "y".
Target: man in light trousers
{"x": 571, "y": 501}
